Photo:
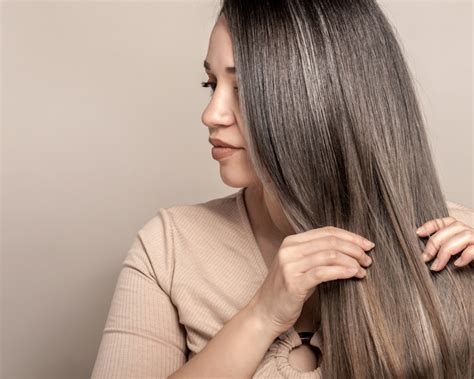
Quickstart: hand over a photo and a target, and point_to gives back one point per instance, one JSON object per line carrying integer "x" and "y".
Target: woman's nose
{"x": 217, "y": 114}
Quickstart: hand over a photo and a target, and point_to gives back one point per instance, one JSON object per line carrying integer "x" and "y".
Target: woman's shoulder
{"x": 216, "y": 209}
{"x": 174, "y": 227}
{"x": 172, "y": 230}
{"x": 193, "y": 216}
{"x": 461, "y": 212}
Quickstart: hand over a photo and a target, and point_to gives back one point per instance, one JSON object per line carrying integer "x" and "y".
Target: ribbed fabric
{"x": 189, "y": 270}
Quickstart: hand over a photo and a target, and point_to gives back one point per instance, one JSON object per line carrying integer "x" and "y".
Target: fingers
{"x": 320, "y": 274}
{"x": 327, "y": 258}
{"x": 297, "y": 251}
{"x": 439, "y": 238}
{"x": 454, "y": 245}
{"x": 331, "y": 231}
{"x": 434, "y": 225}
{"x": 466, "y": 257}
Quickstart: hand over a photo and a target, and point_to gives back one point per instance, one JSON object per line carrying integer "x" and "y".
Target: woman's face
{"x": 222, "y": 114}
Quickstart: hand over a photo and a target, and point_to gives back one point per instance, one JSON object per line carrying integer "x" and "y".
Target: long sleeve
{"x": 142, "y": 337}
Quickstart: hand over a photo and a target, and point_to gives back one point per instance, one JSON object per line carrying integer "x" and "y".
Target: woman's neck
{"x": 265, "y": 214}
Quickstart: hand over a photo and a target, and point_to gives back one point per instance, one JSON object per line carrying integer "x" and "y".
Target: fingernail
{"x": 369, "y": 260}
{"x": 369, "y": 243}
{"x": 435, "y": 264}
{"x": 425, "y": 257}
{"x": 458, "y": 262}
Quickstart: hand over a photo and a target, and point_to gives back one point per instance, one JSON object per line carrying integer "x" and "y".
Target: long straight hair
{"x": 334, "y": 130}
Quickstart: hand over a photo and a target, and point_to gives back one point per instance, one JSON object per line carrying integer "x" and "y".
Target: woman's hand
{"x": 304, "y": 260}
{"x": 451, "y": 237}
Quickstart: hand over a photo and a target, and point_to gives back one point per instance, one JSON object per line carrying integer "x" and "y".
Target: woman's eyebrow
{"x": 229, "y": 70}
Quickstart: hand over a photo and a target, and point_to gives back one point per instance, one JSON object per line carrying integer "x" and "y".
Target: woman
{"x": 330, "y": 152}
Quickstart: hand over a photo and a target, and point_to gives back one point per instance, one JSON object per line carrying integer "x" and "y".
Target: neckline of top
{"x": 281, "y": 351}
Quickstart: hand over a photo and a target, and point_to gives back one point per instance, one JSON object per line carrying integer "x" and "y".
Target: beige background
{"x": 101, "y": 106}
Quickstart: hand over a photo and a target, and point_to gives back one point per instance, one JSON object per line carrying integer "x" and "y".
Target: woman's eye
{"x": 213, "y": 86}
{"x": 209, "y": 84}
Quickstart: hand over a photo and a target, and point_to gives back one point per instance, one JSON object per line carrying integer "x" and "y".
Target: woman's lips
{"x": 220, "y": 152}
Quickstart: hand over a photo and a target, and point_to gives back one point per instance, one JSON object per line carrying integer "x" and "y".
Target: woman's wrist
{"x": 261, "y": 321}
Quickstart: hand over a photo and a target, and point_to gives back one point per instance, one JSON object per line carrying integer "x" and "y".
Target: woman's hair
{"x": 335, "y": 131}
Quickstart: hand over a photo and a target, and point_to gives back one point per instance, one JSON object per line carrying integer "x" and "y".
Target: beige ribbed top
{"x": 190, "y": 269}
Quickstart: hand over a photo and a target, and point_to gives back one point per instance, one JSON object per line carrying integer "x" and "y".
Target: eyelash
{"x": 213, "y": 85}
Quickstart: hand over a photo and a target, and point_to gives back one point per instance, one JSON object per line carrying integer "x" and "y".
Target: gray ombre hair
{"x": 335, "y": 132}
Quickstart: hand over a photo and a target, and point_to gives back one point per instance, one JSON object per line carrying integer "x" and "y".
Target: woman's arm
{"x": 142, "y": 337}
{"x": 235, "y": 351}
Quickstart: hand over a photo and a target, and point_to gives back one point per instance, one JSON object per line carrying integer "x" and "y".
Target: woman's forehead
{"x": 220, "y": 47}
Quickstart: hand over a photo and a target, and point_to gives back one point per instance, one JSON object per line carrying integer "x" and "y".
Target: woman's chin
{"x": 235, "y": 176}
